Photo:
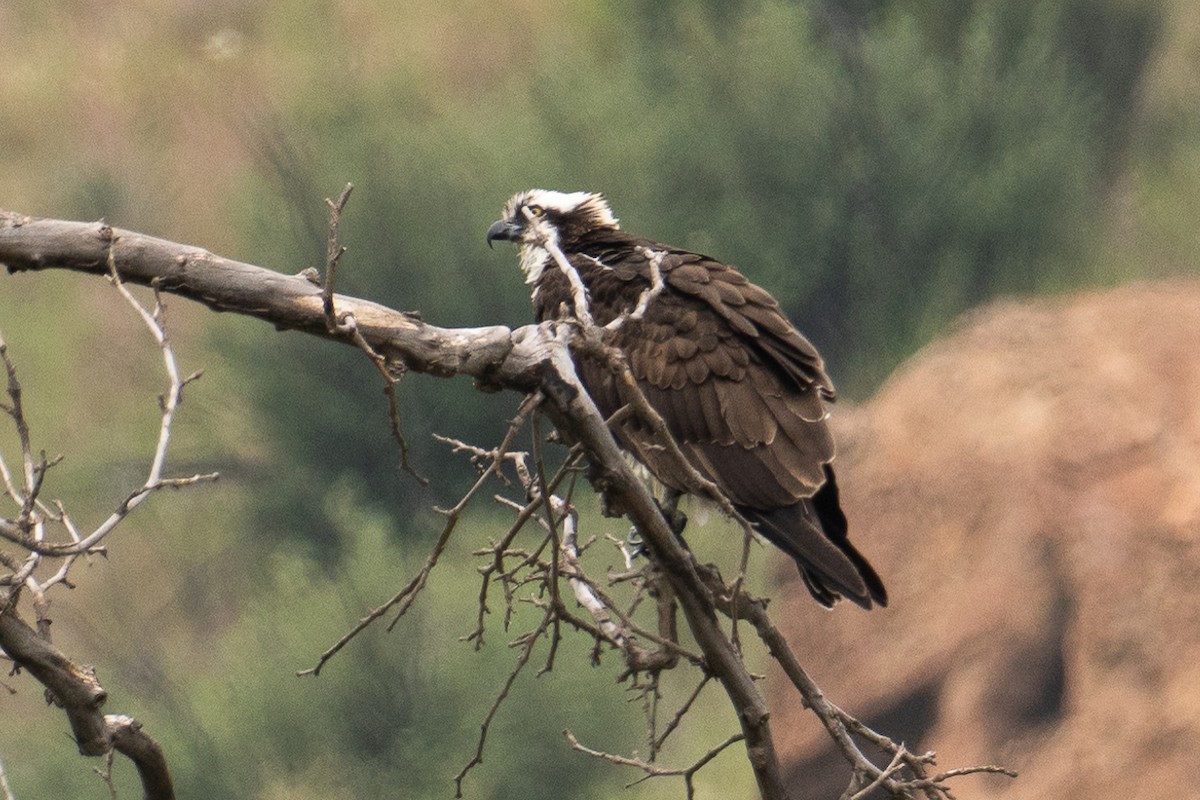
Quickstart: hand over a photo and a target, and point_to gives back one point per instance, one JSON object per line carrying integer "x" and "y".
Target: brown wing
{"x": 742, "y": 392}
{"x": 739, "y": 387}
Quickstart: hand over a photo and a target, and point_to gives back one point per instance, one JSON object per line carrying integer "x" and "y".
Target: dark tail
{"x": 813, "y": 532}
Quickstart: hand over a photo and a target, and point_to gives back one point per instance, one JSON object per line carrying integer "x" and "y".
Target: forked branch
{"x": 74, "y": 688}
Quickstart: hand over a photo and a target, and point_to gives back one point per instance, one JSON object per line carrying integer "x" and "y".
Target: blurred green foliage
{"x": 879, "y": 165}
{"x": 879, "y": 177}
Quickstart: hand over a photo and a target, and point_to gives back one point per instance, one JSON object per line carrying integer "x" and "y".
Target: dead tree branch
{"x": 74, "y": 688}
{"x": 531, "y": 360}
{"x": 289, "y": 302}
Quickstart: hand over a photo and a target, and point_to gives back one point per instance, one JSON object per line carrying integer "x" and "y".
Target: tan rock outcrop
{"x": 1029, "y": 488}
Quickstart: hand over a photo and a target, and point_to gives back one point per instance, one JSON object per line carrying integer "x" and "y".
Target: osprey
{"x": 740, "y": 389}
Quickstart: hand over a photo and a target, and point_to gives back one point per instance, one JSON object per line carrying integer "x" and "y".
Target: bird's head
{"x": 537, "y": 216}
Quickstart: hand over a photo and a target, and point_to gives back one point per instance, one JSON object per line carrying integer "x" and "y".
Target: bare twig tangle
{"x": 537, "y": 362}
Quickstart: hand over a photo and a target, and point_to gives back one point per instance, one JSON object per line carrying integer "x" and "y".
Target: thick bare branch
{"x": 285, "y": 301}
{"x": 81, "y": 696}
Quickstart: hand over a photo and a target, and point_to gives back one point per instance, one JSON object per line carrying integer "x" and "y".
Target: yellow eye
{"x": 536, "y": 211}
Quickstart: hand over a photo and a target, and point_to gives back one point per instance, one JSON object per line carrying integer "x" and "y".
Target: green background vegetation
{"x": 881, "y": 165}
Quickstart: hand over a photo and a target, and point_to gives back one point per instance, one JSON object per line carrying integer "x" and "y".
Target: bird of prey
{"x": 741, "y": 390}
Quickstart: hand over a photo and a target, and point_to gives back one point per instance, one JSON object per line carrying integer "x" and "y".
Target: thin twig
{"x": 408, "y": 595}
{"x": 653, "y": 770}
{"x": 346, "y": 325}
{"x": 389, "y": 371}
{"x": 16, "y": 411}
{"x": 579, "y": 292}
{"x": 551, "y": 508}
{"x": 657, "y": 744}
{"x": 654, "y": 262}
{"x": 106, "y": 776}
{"x": 527, "y": 643}
{"x": 333, "y": 254}
{"x": 894, "y": 766}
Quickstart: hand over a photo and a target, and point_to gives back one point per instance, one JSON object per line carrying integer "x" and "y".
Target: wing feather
{"x": 650, "y": 365}
{"x": 709, "y": 403}
{"x": 729, "y": 294}
{"x": 745, "y": 417}
{"x": 686, "y": 276}
{"x": 684, "y": 347}
{"x": 721, "y": 363}
{"x": 744, "y": 479}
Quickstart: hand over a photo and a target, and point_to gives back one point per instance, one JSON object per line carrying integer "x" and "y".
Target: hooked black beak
{"x": 503, "y": 229}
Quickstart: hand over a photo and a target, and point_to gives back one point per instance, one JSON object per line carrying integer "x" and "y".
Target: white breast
{"x": 534, "y": 258}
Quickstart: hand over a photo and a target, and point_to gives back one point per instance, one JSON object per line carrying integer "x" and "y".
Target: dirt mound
{"x": 1029, "y": 488}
